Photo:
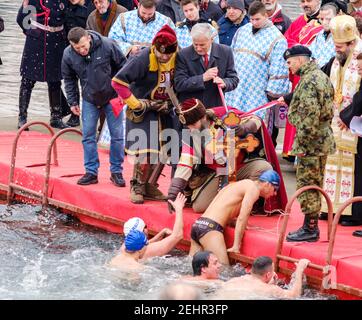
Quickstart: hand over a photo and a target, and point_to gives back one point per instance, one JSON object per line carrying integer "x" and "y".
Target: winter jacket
{"x": 95, "y": 71}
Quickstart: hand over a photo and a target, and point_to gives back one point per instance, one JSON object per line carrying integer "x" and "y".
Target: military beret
{"x": 297, "y": 50}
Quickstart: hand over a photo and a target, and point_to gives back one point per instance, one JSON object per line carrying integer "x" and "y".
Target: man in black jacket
{"x": 94, "y": 60}
{"x": 204, "y": 66}
{"x": 1, "y": 30}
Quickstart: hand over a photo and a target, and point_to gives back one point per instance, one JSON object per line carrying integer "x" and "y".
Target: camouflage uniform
{"x": 311, "y": 112}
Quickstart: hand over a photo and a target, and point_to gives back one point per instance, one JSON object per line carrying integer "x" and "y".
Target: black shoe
{"x": 87, "y": 179}
{"x": 309, "y": 232}
{"x": 73, "y": 121}
{"x": 58, "y": 123}
{"x": 118, "y": 180}
{"x": 350, "y": 223}
{"x": 357, "y": 233}
{"x": 323, "y": 216}
{"x": 21, "y": 123}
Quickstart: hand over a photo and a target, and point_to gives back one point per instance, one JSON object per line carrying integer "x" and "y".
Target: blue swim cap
{"x": 135, "y": 240}
{"x": 272, "y": 177}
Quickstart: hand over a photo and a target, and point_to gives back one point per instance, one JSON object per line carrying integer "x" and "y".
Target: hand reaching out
{"x": 179, "y": 203}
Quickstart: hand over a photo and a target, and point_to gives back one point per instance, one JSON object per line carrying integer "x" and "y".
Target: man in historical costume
{"x": 203, "y": 67}
{"x": 275, "y": 14}
{"x": 134, "y": 30}
{"x": 323, "y": 46}
{"x": 311, "y": 112}
{"x": 142, "y": 84}
{"x": 258, "y": 50}
{"x": 340, "y": 178}
{"x": 234, "y": 18}
{"x": 354, "y": 6}
{"x": 201, "y": 171}
{"x": 42, "y": 56}
{"x": 104, "y": 16}
{"x": 302, "y": 31}
{"x": 346, "y": 115}
{"x": 191, "y": 11}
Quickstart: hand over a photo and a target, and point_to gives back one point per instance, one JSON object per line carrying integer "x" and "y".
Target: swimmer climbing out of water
{"x": 158, "y": 248}
{"x": 137, "y": 223}
{"x": 235, "y": 200}
{"x": 261, "y": 282}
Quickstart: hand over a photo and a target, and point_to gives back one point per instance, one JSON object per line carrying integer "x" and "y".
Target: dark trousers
{"x": 57, "y": 102}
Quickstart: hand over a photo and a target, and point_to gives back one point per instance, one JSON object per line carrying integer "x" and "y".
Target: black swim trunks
{"x": 202, "y": 226}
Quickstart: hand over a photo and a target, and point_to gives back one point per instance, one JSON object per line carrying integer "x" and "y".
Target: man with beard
{"x": 104, "y": 16}
{"x": 191, "y": 11}
{"x": 134, "y": 30}
{"x": 346, "y": 115}
{"x": 142, "y": 84}
{"x": 323, "y": 46}
{"x": 234, "y": 18}
{"x": 354, "y": 6}
{"x": 275, "y": 14}
{"x": 258, "y": 50}
{"x": 201, "y": 169}
{"x": 311, "y": 112}
{"x": 341, "y": 178}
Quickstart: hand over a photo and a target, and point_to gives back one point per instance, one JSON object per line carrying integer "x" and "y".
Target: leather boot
{"x": 55, "y": 101}
{"x": 137, "y": 186}
{"x": 151, "y": 187}
{"x": 308, "y": 232}
{"x": 26, "y": 89}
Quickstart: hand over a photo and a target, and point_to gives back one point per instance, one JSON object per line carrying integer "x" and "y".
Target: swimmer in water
{"x": 261, "y": 282}
{"x": 153, "y": 249}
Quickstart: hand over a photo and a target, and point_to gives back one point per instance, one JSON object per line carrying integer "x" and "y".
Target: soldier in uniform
{"x": 199, "y": 171}
{"x": 142, "y": 84}
{"x": 311, "y": 112}
{"x": 42, "y": 56}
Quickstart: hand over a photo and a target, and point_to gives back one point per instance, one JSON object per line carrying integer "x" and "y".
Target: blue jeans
{"x": 90, "y": 116}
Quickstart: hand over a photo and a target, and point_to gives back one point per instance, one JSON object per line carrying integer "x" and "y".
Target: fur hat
{"x": 165, "y": 40}
{"x": 192, "y": 110}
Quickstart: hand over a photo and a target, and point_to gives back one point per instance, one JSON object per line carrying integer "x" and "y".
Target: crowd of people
{"x": 174, "y": 66}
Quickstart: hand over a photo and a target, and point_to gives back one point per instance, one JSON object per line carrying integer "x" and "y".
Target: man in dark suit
{"x": 204, "y": 66}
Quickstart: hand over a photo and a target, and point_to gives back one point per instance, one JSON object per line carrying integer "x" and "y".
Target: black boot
{"x": 308, "y": 232}
{"x": 26, "y": 88}
{"x": 55, "y": 101}
{"x": 73, "y": 121}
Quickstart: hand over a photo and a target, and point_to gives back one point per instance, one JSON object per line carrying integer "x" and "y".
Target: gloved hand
{"x": 245, "y": 128}
{"x": 177, "y": 185}
{"x": 144, "y": 104}
{"x": 160, "y": 106}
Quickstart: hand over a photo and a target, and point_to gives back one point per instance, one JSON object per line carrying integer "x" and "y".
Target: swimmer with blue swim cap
{"x": 272, "y": 177}
{"x": 135, "y": 241}
{"x": 233, "y": 203}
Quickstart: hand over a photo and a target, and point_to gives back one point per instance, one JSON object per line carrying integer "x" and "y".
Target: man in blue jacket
{"x": 234, "y": 18}
{"x": 94, "y": 60}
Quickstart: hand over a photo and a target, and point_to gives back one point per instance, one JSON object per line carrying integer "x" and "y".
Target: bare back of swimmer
{"x": 235, "y": 200}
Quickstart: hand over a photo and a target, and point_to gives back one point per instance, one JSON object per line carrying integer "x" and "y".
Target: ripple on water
{"x": 52, "y": 256}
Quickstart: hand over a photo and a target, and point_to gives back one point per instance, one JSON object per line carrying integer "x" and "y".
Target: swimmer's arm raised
{"x": 296, "y": 290}
{"x": 246, "y": 206}
{"x": 164, "y": 246}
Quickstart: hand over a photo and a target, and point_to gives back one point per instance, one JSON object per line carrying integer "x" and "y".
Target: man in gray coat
{"x": 204, "y": 66}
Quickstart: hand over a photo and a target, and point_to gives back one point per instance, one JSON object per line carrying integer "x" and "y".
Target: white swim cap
{"x": 133, "y": 224}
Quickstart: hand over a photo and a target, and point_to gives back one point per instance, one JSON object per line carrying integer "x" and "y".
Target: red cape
{"x": 280, "y": 200}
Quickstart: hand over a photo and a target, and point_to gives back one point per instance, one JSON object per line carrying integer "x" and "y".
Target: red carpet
{"x": 105, "y": 198}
